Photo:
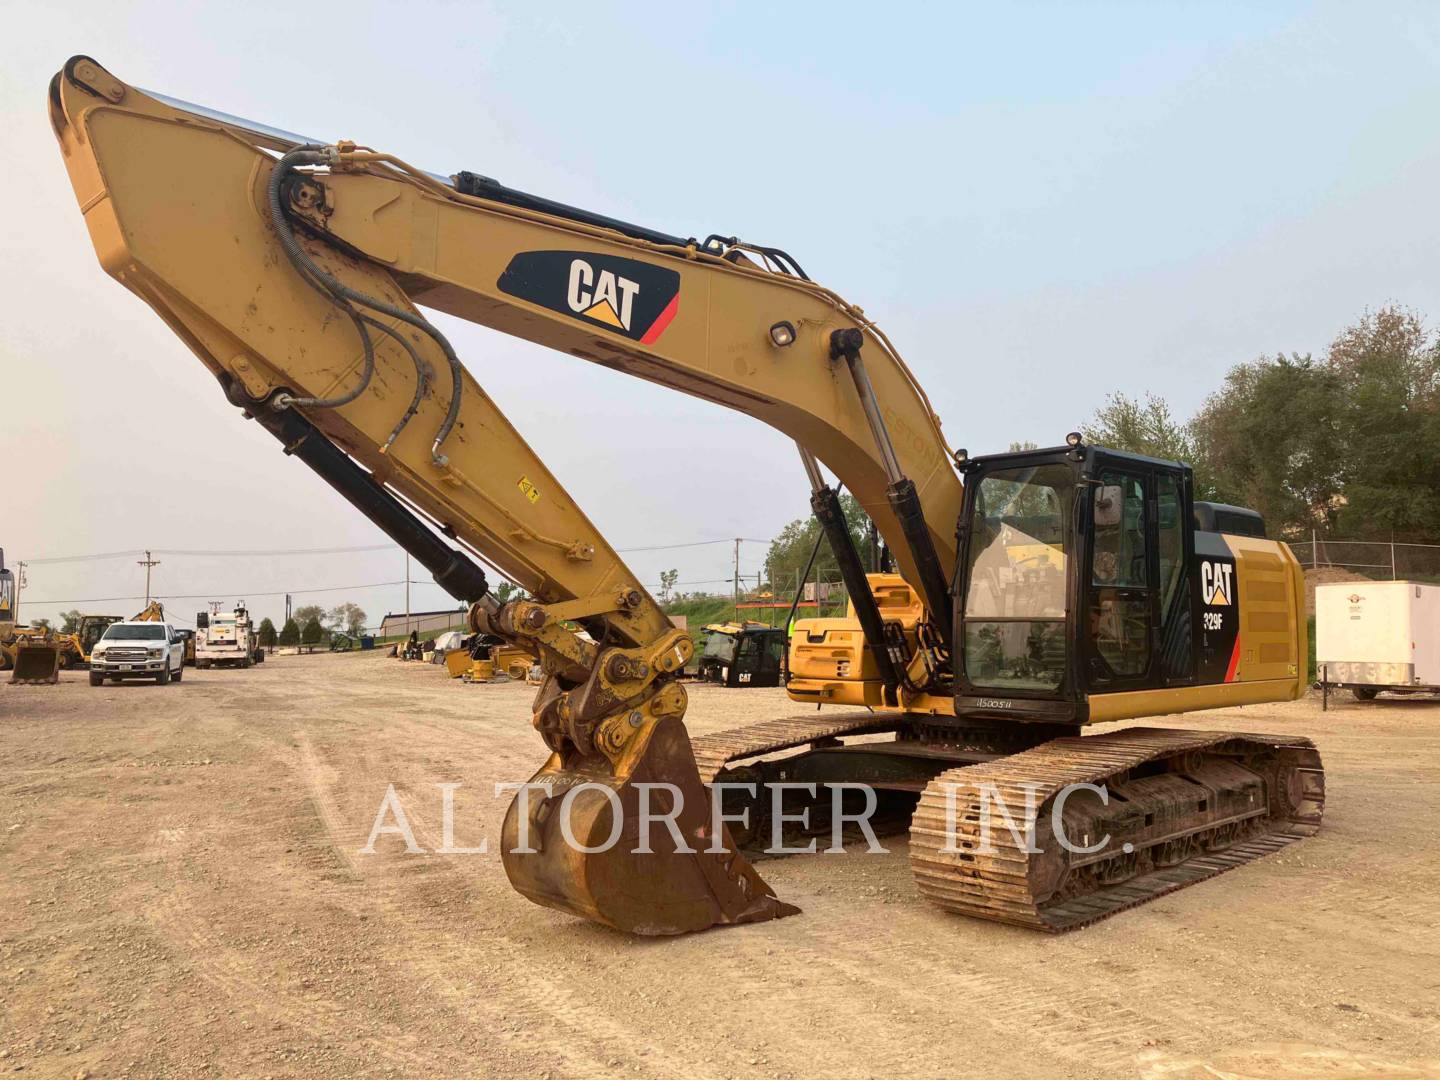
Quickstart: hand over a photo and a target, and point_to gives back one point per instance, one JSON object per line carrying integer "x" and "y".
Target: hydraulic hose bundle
{"x": 346, "y": 299}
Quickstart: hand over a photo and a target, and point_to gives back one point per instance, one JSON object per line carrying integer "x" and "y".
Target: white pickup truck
{"x": 138, "y": 650}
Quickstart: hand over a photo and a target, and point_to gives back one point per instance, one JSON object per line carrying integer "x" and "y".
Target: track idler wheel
{"x": 631, "y": 874}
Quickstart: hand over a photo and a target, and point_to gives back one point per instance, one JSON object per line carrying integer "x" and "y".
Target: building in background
{"x": 425, "y": 623}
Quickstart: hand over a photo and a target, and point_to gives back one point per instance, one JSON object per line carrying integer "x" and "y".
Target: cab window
{"x": 1171, "y": 538}
{"x": 1120, "y": 597}
{"x": 1015, "y": 600}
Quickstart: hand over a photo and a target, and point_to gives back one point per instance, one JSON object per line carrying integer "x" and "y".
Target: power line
{"x": 208, "y": 554}
{"x": 695, "y": 543}
{"x": 190, "y": 553}
{"x": 228, "y": 592}
{"x": 289, "y": 551}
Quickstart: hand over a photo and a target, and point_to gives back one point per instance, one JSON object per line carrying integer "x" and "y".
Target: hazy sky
{"x": 1042, "y": 203}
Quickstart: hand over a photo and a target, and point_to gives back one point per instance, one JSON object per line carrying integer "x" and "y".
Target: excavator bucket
{"x": 37, "y": 663}
{"x": 597, "y": 843}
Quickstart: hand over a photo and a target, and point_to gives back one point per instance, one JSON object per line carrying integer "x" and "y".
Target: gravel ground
{"x": 183, "y": 894}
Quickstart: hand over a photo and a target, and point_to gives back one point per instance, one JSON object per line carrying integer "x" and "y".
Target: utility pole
{"x": 146, "y": 562}
{"x": 287, "y": 609}
{"x": 737, "y": 579}
{"x": 407, "y": 595}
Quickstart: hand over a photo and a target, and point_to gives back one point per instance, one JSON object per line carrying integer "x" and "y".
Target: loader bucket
{"x": 665, "y": 890}
{"x": 36, "y": 663}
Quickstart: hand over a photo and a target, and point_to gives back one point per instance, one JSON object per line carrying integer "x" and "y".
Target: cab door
{"x": 757, "y": 659}
{"x": 1175, "y": 560}
{"x": 1139, "y": 617}
{"x": 1120, "y": 578}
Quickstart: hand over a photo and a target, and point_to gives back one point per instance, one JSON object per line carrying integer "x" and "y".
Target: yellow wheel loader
{"x": 1044, "y": 592}
{"x": 33, "y": 656}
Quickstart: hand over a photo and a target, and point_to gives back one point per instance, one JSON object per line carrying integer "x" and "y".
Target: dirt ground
{"x": 181, "y": 893}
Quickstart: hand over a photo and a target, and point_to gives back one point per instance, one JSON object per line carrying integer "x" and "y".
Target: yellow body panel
{"x": 830, "y": 665}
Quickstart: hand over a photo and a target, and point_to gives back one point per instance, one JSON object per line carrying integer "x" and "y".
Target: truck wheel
{"x": 245, "y": 663}
{"x": 1364, "y": 693}
{"x": 163, "y": 679}
{"x": 180, "y": 672}
{"x": 97, "y": 679}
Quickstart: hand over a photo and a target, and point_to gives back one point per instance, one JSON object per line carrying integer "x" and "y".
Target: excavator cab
{"x": 91, "y": 629}
{"x": 1087, "y": 572}
{"x": 741, "y": 655}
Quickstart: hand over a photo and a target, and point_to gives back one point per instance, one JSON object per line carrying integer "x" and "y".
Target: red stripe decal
{"x": 662, "y": 321}
{"x": 1234, "y": 660}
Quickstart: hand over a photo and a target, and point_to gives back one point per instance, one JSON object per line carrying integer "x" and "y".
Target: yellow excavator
{"x": 1047, "y": 590}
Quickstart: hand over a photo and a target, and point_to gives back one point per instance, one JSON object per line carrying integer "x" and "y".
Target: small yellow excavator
{"x": 89, "y": 630}
{"x": 1039, "y": 592}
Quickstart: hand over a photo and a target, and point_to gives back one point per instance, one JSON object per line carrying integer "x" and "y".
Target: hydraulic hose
{"x": 317, "y": 155}
{"x": 421, "y": 379}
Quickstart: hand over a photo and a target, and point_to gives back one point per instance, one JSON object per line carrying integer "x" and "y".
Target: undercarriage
{"x": 1052, "y": 836}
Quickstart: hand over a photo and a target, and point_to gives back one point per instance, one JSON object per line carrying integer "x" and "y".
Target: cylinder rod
{"x": 826, "y": 504}
{"x": 453, "y": 571}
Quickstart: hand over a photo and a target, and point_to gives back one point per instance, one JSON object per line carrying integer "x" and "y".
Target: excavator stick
{"x": 37, "y": 663}
{"x": 636, "y": 848}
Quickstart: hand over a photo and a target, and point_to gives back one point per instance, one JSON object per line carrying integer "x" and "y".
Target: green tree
{"x": 1388, "y": 426}
{"x": 1348, "y": 444}
{"x": 1268, "y": 439}
{"x": 507, "y": 591}
{"x": 305, "y": 612}
{"x": 791, "y": 549}
{"x": 290, "y": 633}
{"x": 313, "y": 632}
{"x": 349, "y": 617}
{"x": 667, "y": 583}
{"x": 69, "y": 621}
{"x": 1141, "y": 427}
{"x": 40, "y": 624}
{"x": 266, "y": 633}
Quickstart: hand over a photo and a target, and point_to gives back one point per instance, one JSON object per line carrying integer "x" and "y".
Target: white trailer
{"x": 225, "y": 637}
{"x": 1378, "y": 635}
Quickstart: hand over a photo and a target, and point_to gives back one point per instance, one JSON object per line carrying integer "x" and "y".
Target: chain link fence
{"x": 1383, "y": 559}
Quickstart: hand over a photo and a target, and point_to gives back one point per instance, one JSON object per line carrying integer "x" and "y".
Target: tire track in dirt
{"x": 545, "y": 1000}
{"x": 1103, "y": 1024}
